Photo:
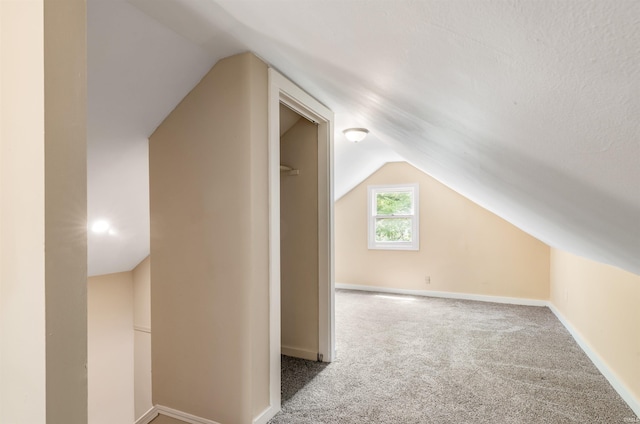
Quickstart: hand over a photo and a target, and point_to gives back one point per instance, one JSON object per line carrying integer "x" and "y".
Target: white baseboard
{"x": 266, "y": 415}
{"x": 148, "y": 416}
{"x": 142, "y": 329}
{"x": 152, "y": 413}
{"x": 446, "y": 295}
{"x": 299, "y": 353}
{"x": 618, "y": 385}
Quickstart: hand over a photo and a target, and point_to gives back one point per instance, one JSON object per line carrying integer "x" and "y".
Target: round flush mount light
{"x": 100, "y": 226}
{"x": 355, "y": 134}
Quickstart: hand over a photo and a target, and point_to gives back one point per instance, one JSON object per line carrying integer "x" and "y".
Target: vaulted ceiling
{"x": 530, "y": 108}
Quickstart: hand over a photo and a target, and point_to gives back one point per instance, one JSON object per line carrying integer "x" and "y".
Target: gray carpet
{"x": 405, "y": 359}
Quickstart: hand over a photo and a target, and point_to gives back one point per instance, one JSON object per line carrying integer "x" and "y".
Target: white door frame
{"x": 282, "y": 90}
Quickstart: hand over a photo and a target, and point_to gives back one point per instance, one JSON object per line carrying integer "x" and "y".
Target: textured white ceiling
{"x": 529, "y": 108}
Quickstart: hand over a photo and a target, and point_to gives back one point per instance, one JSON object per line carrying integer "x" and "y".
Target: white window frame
{"x": 414, "y": 244}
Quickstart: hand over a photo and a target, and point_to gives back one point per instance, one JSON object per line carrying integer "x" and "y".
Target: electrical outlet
{"x": 427, "y": 279}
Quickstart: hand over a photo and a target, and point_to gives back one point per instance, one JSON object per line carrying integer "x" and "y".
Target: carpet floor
{"x": 404, "y": 359}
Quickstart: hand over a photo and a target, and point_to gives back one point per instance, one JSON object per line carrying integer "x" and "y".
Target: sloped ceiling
{"x": 529, "y": 108}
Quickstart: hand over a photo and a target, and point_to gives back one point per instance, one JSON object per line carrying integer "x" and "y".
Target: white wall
{"x": 110, "y": 348}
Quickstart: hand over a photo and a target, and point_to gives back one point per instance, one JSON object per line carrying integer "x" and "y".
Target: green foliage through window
{"x": 394, "y": 203}
{"x": 393, "y": 217}
{"x": 393, "y": 229}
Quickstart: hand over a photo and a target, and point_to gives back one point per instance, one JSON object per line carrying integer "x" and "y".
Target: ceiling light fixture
{"x": 355, "y": 134}
{"x": 100, "y": 226}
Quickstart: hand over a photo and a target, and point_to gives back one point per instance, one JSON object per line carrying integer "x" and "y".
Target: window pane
{"x": 393, "y": 229}
{"x": 394, "y": 203}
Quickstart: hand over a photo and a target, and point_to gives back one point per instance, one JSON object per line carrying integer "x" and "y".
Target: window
{"x": 393, "y": 217}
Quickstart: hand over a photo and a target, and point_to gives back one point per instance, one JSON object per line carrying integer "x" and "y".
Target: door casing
{"x": 282, "y": 90}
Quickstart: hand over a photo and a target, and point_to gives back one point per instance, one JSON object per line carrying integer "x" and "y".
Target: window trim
{"x": 415, "y": 217}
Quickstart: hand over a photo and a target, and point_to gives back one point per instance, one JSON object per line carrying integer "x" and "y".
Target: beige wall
{"x": 22, "y": 297}
{"x": 142, "y": 337}
{"x": 65, "y": 82}
{"x": 163, "y": 419}
{"x": 119, "y": 345}
{"x": 43, "y": 333}
{"x": 299, "y": 241}
{"x": 142, "y": 294}
{"x": 601, "y": 303}
{"x": 110, "y": 348}
{"x": 209, "y": 244}
{"x": 463, "y": 247}
{"x": 258, "y": 100}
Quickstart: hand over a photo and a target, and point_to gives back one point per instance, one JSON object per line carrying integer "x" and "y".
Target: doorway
{"x": 299, "y": 321}
{"x": 282, "y": 91}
